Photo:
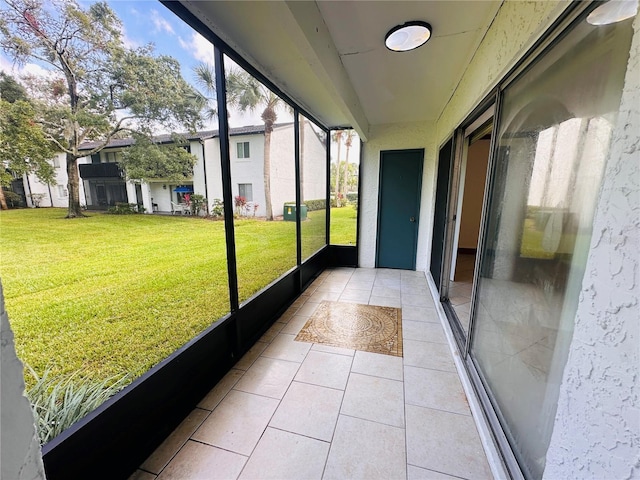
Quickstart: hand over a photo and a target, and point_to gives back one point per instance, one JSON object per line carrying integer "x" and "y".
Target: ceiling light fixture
{"x": 613, "y": 11}
{"x": 408, "y": 36}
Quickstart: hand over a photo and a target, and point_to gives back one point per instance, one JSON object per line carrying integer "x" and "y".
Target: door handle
{"x": 412, "y": 219}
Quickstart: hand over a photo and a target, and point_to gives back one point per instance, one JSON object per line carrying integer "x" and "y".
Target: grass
{"x": 109, "y": 295}
{"x": 343, "y": 226}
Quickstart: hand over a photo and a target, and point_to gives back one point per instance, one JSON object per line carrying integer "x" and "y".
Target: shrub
{"x": 217, "y": 208}
{"x": 13, "y": 199}
{"x": 313, "y": 205}
{"x": 352, "y": 197}
{"x": 126, "y": 209}
{"x": 59, "y": 402}
{"x": 197, "y": 203}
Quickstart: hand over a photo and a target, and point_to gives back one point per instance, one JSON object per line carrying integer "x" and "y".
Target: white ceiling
{"x": 330, "y": 56}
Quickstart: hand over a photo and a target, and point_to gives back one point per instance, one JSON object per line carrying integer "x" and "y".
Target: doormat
{"x": 367, "y": 328}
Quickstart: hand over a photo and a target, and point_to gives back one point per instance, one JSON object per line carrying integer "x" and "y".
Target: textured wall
{"x": 597, "y": 429}
{"x": 20, "y": 457}
{"x": 515, "y": 28}
{"x": 396, "y": 137}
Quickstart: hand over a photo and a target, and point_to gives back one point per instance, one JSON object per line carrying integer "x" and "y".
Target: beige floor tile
{"x": 360, "y": 284}
{"x": 307, "y": 309}
{"x": 325, "y": 369}
{"x": 309, "y": 410}
{"x": 283, "y": 456}
{"x": 420, "y": 314}
{"x": 388, "y": 292}
{"x": 273, "y": 331}
{"x": 417, "y": 473}
{"x": 238, "y": 422}
{"x": 284, "y": 347}
{"x": 385, "y": 302}
{"x": 417, "y": 300}
{"x": 436, "y": 356}
{"x": 248, "y": 358}
{"x": 215, "y": 396}
{"x": 423, "y": 331}
{"x": 387, "y": 282}
{"x": 366, "y": 450}
{"x": 435, "y": 389}
{"x": 378, "y": 365}
{"x": 413, "y": 288}
{"x": 374, "y": 398}
{"x": 331, "y": 286}
{"x": 269, "y": 377}
{"x": 318, "y": 297}
{"x": 319, "y": 347}
{"x": 355, "y": 296}
{"x": 142, "y": 475}
{"x": 174, "y": 442}
{"x": 295, "y": 325}
{"x": 445, "y": 442}
{"x": 198, "y": 461}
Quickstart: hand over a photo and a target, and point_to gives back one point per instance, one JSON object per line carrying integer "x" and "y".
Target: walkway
{"x": 307, "y": 411}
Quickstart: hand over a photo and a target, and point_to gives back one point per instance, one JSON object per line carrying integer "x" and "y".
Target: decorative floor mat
{"x": 361, "y": 327}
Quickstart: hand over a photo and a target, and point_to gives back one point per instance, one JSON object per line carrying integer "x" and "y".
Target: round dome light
{"x": 408, "y": 36}
{"x": 613, "y": 11}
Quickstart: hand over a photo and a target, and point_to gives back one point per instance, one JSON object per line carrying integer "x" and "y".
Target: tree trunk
{"x": 301, "y": 126}
{"x": 267, "y": 173}
{"x": 3, "y": 201}
{"x": 345, "y": 181}
{"x": 74, "y": 187}
{"x": 337, "y": 192}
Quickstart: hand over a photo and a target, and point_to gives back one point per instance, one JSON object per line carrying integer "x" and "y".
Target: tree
{"x": 10, "y": 90}
{"x": 348, "y": 140}
{"x": 246, "y": 93}
{"x": 337, "y": 137}
{"x": 24, "y": 148}
{"x": 97, "y": 88}
{"x": 145, "y": 160}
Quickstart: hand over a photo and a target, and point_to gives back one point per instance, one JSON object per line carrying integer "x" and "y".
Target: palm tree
{"x": 337, "y": 137}
{"x": 246, "y": 93}
{"x": 348, "y": 140}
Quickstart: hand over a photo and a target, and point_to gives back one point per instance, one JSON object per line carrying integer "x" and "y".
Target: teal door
{"x": 398, "y": 208}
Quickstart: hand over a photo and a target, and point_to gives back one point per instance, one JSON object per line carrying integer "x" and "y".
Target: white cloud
{"x": 198, "y": 47}
{"x": 17, "y": 70}
{"x": 160, "y": 23}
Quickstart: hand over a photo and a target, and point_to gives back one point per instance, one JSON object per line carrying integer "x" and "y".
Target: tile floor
{"x": 460, "y": 290}
{"x": 306, "y": 411}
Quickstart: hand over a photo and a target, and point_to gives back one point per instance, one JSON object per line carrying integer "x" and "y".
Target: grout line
{"x": 379, "y": 423}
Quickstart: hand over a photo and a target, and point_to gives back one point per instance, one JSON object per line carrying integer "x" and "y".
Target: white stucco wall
{"x": 516, "y": 27}
{"x": 61, "y": 179}
{"x": 20, "y": 456}
{"x": 396, "y": 137}
{"x": 283, "y": 168}
{"x": 251, "y": 170}
{"x": 597, "y": 428}
{"x": 314, "y": 167}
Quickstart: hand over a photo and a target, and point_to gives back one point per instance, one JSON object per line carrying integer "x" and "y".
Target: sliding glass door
{"x": 552, "y": 144}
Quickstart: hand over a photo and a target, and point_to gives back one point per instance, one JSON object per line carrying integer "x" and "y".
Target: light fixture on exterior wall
{"x": 613, "y": 11}
{"x": 408, "y": 36}
{"x": 164, "y": 187}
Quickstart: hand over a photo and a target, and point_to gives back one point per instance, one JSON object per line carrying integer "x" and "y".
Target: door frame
{"x": 418, "y": 199}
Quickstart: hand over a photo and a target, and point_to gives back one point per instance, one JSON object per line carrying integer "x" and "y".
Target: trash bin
{"x": 289, "y": 212}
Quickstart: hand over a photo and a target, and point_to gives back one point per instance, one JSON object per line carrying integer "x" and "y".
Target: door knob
{"x": 412, "y": 219}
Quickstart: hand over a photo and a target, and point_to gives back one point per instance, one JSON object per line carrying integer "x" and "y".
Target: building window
{"x": 243, "y": 149}
{"x": 56, "y": 162}
{"x": 95, "y": 158}
{"x": 246, "y": 189}
{"x": 62, "y": 192}
{"x": 111, "y": 157}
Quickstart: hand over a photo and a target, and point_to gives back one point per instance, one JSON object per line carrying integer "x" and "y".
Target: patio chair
{"x": 179, "y": 208}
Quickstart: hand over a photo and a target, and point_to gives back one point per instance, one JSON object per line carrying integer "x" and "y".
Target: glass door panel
{"x": 553, "y": 142}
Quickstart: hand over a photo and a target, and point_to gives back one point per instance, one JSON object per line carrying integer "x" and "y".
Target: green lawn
{"x": 115, "y": 294}
{"x": 343, "y": 225}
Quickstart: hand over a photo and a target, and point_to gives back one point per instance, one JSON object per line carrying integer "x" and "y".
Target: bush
{"x": 59, "y": 402}
{"x": 217, "y": 208}
{"x": 313, "y": 205}
{"x": 352, "y": 197}
{"x": 13, "y": 199}
{"x": 126, "y": 209}
{"x": 198, "y": 202}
